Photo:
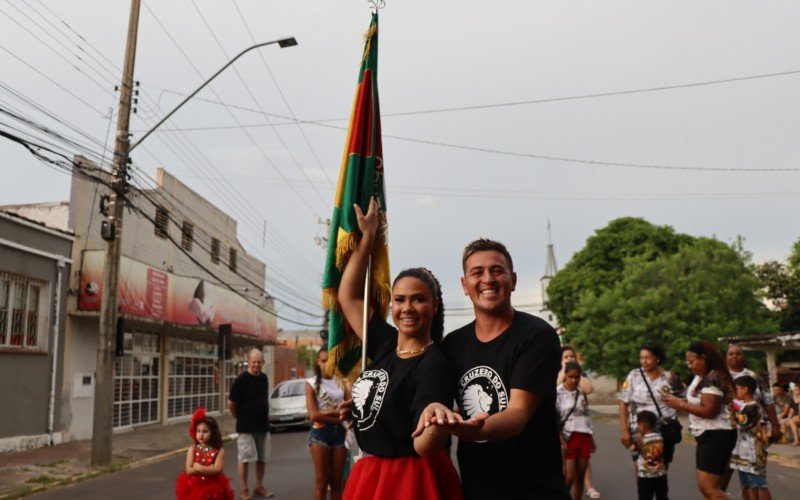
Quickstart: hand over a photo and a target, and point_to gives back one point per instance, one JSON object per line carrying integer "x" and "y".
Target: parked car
{"x": 287, "y": 405}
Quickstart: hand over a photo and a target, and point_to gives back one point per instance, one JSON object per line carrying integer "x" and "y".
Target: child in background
{"x": 577, "y": 441}
{"x": 651, "y": 469}
{"x": 202, "y": 478}
{"x": 750, "y": 454}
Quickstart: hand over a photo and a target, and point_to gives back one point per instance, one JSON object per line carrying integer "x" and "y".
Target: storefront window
{"x": 136, "y": 380}
{"x": 193, "y": 377}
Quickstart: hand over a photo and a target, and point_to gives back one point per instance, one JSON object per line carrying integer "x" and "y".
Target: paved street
{"x": 290, "y": 473}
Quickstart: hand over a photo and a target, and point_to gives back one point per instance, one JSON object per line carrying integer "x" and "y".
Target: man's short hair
{"x": 484, "y": 245}
{"x": 748, "y": 382}
{"x": 254, "y": 350}
{"x": 648, "y": 418}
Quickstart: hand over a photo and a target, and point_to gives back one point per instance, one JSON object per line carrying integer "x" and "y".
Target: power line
{"x": 233, "y": 116}
{"x": 47, "y": 131}
{"x": 325, "y": 203}
{"x": 592, "y": 96}
{"x": 521, "y": 194}
{"x": 208, "y": 250}
{"x": 283, "y": 97}
{"x": 291, "y": 253}
{"x": 97, "y": 63}
{"x": 30, "y": 102}
{"x": 553, "y": 99}
{"x": 177, "y": 204}
{"x": 227, "y": 285}
{"x": 581, "y": 161}
{"x": 56, "y": 52}
{"x": 83, "y": 101}
{"x": 70, "y": 167}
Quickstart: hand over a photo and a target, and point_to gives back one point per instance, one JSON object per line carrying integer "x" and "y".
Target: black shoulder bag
{"x": 670, "y": 428}
{"x": 574, "y": 405}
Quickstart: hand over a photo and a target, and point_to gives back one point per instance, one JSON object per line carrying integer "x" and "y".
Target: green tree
{"x": 654, "y": 285}
{"x": 782, "y": 283}
{"x": 601, "y": 263}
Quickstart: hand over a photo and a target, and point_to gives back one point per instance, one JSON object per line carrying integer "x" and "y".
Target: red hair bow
{"x": 199, "y": 414}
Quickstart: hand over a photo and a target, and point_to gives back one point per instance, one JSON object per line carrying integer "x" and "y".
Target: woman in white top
{"x": 635, "y": 396}
{"x": 326, "y": 439}
{"x": 577, "y": 441}
{"x": 708, "y": 401}
{"x": 585, "y": 385}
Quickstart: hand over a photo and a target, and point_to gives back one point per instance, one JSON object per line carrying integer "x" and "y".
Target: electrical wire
{"x": 325, "y": 202}
{"x": 283, "y": 97}
{"x": 40, "y": 73}
{"x": 103, "y": 87}
{"x": 177, "y": 204}
{"x": 289, "y": 253}
{"x": 71, "y": 144}
{"x": 233, "y": 116}
{"x": 208, "y": 250}
{"x": 37, "y": 150}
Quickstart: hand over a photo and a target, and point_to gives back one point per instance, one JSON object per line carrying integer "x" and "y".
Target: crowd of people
{"x": 505, "y": 387}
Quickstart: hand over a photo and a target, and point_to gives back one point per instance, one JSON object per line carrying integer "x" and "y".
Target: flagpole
{"x": 365, "y": 319}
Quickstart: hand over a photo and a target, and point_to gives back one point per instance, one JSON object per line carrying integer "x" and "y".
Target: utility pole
{"x": 102, "y": 426}
{"x": 322, "y": 242}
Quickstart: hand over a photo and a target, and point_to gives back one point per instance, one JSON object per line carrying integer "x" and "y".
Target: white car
{"x": 287, "y": 405}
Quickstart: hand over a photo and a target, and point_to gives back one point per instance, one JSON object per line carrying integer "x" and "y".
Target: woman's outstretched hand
{"x": 672, "y": 401}
{"x": 368, "y": 223}
{"x": 435, "y": 414}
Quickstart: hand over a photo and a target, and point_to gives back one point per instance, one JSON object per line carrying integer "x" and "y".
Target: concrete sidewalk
{"x": 26, "y": 472}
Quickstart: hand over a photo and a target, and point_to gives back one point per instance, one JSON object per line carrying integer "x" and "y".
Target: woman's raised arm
{"x": 351, "y": 288}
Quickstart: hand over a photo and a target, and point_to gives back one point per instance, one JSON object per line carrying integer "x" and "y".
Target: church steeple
{"x": 550, "y": 270}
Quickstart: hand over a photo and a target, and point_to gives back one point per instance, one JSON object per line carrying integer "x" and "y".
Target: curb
{"x": 108, "y": 469}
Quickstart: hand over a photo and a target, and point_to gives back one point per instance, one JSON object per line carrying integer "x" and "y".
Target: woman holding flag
{"x": 408, "y": 371}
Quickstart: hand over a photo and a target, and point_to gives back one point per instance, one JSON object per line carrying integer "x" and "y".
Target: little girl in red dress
{"x": 203, "y": 478}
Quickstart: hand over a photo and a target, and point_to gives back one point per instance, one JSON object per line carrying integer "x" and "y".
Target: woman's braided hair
{"x": 427, "y": 277}
{"x": 318, "y": 370}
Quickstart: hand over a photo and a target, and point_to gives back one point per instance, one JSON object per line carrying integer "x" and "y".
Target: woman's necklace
{"x": 414, "y": 351}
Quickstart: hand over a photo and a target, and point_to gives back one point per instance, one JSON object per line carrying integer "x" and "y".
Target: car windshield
{"x": 289, "y": 389}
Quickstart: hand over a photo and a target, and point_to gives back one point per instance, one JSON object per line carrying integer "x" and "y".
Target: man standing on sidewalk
{"x": 249, "y": 405}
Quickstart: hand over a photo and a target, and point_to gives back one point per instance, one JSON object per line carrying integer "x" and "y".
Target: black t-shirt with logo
{"x": 250, "y": 393}
{"x": 526, "y": 356}
{"x": 389, "y": 396}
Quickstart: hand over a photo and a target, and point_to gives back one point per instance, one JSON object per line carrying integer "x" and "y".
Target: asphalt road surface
{"x": 290, "y": 473}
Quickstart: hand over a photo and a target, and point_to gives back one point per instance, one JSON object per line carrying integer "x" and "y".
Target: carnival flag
{"x": 360, "y": 178}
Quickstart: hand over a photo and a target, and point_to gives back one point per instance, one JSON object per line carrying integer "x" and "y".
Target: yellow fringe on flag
{"x": 345, "y": 244}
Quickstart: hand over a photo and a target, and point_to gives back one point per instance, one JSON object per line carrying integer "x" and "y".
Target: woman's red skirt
{"x": 403, "y": 478}
{"x": 198, "y": 487}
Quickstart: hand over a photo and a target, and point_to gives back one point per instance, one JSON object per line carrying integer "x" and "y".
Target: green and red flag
{"x": 360, "y": 178}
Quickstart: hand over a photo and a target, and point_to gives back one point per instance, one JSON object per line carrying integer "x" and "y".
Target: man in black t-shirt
{"x": 506, "y": 363}
{"x": 249, "y": 405}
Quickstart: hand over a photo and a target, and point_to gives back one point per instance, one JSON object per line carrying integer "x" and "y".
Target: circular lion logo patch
{"x": 481, "y": 390}
{"x": 368, "y": 394}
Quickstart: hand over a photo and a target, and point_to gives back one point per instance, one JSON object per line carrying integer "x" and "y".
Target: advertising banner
{"x": 155, "y": 294}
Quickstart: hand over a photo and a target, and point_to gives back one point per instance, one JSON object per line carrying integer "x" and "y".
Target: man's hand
{"x": 469, "y": 430}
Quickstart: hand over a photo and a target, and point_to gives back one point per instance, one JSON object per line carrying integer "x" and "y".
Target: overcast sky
{"x": 437, "y": 56}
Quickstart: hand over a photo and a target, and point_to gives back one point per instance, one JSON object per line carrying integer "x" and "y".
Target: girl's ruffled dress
{"x": 200, "y": 486}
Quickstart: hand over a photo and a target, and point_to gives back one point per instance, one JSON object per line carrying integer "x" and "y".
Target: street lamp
{"x": 282, "y": 43}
